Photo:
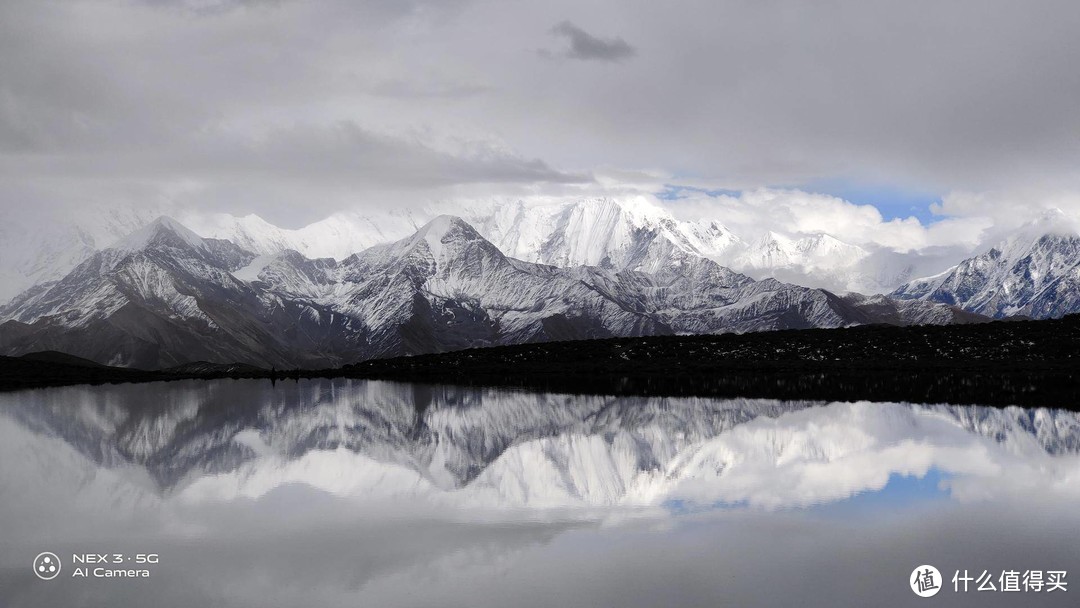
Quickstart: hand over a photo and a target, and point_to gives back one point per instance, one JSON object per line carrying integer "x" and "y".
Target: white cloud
{"x": 821, "y": 455}
{"x": 1008, "y": 210}
{"x": 803, "y": 213}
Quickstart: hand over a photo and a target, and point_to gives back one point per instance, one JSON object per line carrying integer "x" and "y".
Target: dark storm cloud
{"x": 339, "y": 153}
{"x": 585, "y": 46}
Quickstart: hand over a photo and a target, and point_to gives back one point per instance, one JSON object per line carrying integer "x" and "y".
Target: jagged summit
{"x": 442, "y": 243}
{"x": 162, "y": 230}
{"x": 444, "y": 228}
{"x": 1034, "y": 272}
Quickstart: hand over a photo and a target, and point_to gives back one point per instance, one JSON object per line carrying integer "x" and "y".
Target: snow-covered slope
{"x": 775, "y": 251}
{"x": 337, "y": 236}
{"x": 628, "y": 234}
{"x": 1035, "y": 273}
{"x": 447, "y": 287}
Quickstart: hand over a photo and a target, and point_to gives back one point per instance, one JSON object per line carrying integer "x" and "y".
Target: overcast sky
{"x": 295, "y": 109}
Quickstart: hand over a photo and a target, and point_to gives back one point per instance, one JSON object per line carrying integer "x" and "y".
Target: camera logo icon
{"x": 47, "y": 566}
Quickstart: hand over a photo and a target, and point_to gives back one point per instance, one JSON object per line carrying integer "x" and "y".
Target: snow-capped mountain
{"x": 337, "y": 236}
{"x": 619, "y": 235}
{"x": 629, "y": 233}
{"x": 776, "y": 251}
{"x": 635, "y": 234}
{"x": 820, "y": 260}
{"x": 447, "y": 287}
{"x": 509, "y": 448}
{"x": 463, "y": 291}
{"x": 42, "y": 245}
{"x": 165, "y": 296}
{"x": 1034, "y": 273}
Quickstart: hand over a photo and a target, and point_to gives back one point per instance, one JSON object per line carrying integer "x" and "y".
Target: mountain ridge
{"x": 619, "y": 233}
{"x": 166, "y": 296}
{"x": 1035, "y": 273}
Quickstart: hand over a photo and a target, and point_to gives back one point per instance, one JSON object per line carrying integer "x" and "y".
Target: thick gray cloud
{"x": 422, "y": 96}
{"x": 585, "y": 46}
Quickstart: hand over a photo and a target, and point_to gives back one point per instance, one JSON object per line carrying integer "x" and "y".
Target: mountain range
{"x": 1033, "y": 273}
{"x": 164, "y": 296}
{"x": 628, "y": 233}
{"x": 501, "y": 272}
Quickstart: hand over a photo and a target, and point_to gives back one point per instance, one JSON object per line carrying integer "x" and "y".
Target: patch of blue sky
{"x": 893, "y": 202}
{"x": 674, "y": 192}
{"x": 899, "y": 492}
{"x": 678, "y": 506}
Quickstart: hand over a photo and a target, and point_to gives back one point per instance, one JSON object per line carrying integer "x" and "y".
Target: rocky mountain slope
{"x": 39, "y": 245}
{"x": 165, "y": 296}
{"x": 1034, "y": 273}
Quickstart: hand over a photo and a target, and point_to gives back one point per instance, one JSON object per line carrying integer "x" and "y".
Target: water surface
{"x": 345, "y": 493}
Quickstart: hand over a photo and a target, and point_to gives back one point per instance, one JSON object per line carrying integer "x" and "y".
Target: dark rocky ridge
{"x": 1033, "y": 363}
{"x": 1030, "y": 363}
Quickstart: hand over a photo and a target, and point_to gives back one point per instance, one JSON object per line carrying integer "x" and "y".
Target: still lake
{"x": 366, "y": 493}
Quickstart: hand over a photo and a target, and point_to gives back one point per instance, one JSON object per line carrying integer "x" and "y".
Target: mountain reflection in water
{"x": 333, "y": 492}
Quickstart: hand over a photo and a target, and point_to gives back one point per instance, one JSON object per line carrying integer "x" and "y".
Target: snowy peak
{"x": 438, "y": 245}
{"x": 1052, "y": 221}
{"x": 774, "y": 250}
{"x": 1044, "y": 233}
{"x": 588, "y": 233}
{"x": 162, "y": 231}
{"x": 619, "y": 234}
{"x": 43, "y": 244}
{"x": 770, "y": 251}
{"x": 337, "y": 236}
{"x": 1031, "y": 273}
{"x": 250, "y": 232}
{"x": 170, "y": 242}
{"x": 444, "y": 230}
